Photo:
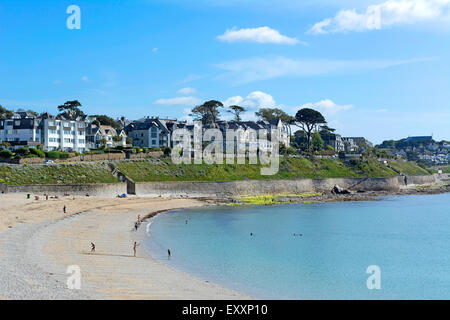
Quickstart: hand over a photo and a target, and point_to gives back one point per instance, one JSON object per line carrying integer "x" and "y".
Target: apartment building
{"x": 23, "y": 129}
{"x": 52, "y": 133}
{"x": 152, "y": 132}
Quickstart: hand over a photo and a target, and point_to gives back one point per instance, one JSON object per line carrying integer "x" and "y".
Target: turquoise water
{"x": 408, "y": 237}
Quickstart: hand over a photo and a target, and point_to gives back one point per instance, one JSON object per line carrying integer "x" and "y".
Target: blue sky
{"x": 376, "y": 69}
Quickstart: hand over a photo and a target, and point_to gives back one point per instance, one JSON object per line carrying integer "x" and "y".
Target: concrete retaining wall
{"x": 101, "y": 189}
{"x": 411, "y": 181}
{"x": 226, "y": 188}
{"x": 260, "y": 187}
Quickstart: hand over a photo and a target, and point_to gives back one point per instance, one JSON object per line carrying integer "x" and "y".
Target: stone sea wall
{"x": 261, "y": 187}
{"x": 100, "y": 189}
{"x": 226, "y": 188}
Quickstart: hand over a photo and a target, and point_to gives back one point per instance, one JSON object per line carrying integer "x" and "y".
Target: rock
{"x": 339, "y": 190}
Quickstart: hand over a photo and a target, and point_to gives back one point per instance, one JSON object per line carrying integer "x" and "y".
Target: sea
{"x": 394, "y": 248}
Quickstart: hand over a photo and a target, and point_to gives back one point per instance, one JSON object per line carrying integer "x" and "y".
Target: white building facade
{"x": 49, "y": 132}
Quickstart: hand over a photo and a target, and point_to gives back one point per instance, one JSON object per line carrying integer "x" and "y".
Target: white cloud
{"x": 258, "y": 69}
{"x": 187, "y": 91}
{"x": 256, "y": 99}
{"x": 179, "y": 101}
{"x": 155, "y": 49}
{"x": 327, "y": 107}
{"x": 84, "y": 78}
{"x": 391, "y": 12}
{"x": 259, "y": 35}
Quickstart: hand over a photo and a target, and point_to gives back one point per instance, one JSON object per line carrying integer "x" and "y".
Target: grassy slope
{"x": 60, "y": 174}
{"x": 290, "y": 168}
{"x": 164, "y": 170}
{"x": 408, "y": 168}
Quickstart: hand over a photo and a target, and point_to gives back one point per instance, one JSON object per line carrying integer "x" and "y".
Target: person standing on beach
{"x": 135, "y": 247}
{"x": 64, "y": 209}
{"x": 169, "y": 253}
{"x": 93, "y": 247}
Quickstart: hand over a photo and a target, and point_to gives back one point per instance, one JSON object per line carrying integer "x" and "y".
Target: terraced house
{"x": 52, "y": 133}
{"x": 152, "y": 132}
{"x": 98, "y": 136}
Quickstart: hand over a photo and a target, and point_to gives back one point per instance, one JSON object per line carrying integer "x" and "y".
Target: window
{"x": 153, "y": 142}
{"x": 66, "y": 124}
{"x": 154, "y": 135}
{"x": 15, "y": 131}
{"x": 67, "y": 132}
{"x": 80, "y": 125}
{"x": 81, "y": 133}
{"x": 17, "y": 123}
{"x": 81, "y": 141}
{"x": 51, "y": 123}
{"x": 9, "y": 123}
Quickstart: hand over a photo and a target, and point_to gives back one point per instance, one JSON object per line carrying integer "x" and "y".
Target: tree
{"x": 71, "y": 109}
{"x": 5, "y": 114}
{"x": 208, "y": 112}
{"x": 107, "y": 121}
{"x": 300, "y": 139}
{"x": 326, "y": 130}
{"x": 267, "y": 114}
{"x": 236, "y": 111}
{"x": 316, "y": 141}
{"x": 308, "y": 120}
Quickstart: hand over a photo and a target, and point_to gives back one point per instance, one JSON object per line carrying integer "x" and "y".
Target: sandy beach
{"x": 38, "y": 242}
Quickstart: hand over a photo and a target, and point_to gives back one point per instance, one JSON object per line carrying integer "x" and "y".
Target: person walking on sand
{"x": 139, "y": 218}
{"x": 135, "y": 247}
{"x": 92, "y": 247}
{"x": 64, "y": 209}
{"x": 136, "y": 226}
{"x": 169, "y": 253}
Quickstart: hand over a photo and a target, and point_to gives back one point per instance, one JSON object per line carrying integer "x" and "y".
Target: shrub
{"x": 23, "y": 151}
{"x": 52, "y": 154}
{"x": 6, "y": 154}
{"x": 38, "y": 153}
{"x": 167, "y": 151}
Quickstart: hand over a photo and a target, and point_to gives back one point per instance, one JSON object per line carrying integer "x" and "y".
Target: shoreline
{"x": 38, "y": 242}
{"x": 34, "y": 258}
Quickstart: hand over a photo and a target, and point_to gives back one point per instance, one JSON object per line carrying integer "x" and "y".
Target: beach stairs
{"x": 131, "y": 185}
{"x": 352, "y": 187}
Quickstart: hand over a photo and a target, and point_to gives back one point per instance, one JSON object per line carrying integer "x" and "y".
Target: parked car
{"x": 49, "y": 162}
